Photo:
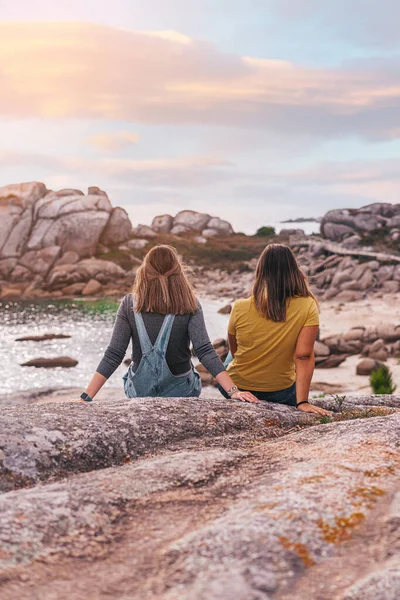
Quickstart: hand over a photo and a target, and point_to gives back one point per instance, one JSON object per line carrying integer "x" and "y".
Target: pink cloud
{"x": 114, "y": 141}
{"x": 93, "y": 71}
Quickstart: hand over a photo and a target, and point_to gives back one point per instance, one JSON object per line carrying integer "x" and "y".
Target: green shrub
{"x": 381, "y": 381}
{"x": 266, "y": 231}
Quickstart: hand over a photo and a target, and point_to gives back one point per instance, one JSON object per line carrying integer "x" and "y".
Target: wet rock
{"x": 43, "y": 338}
{"x": 51, "y": 363}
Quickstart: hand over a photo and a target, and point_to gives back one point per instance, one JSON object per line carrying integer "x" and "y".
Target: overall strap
{"x": 165, "y": 333}
{"x": 145, "y": 344}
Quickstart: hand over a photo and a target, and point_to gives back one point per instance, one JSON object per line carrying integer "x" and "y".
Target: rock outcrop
{"x": 48, "y": 236}
{"x": 337, "y": 225}
{"x": 186, "y": 222}
{"x": 200, "y": 499}
{"x": 342, "y": 274}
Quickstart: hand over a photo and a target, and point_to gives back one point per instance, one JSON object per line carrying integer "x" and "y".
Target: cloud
{"x": 114, "y": 141}
{"x": 185, "y": 172}
{"x": 349, "y": 173}
{"x": 93, "y": 71}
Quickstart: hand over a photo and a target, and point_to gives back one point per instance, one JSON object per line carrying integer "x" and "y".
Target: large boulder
{"x": 163, "y": 223}
{"x": 41, "y": 228}
{"x": 144, "y": 231}
{"x": 16, "y": 203}
{"x": 79, "y": 231}
{"x": 192, "y": 220}
{"x": 339, "y": 224}
{"x": 118, "y": 228}
{"x": 220, "y": 225}
{"x": 40, "y": 261}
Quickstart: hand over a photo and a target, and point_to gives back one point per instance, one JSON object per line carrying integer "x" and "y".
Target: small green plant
{"x": 381, "y": 381}
{"x": 265, "y": 231}
{"x": 339, "y": 402}
{"x": 323, "y": 420}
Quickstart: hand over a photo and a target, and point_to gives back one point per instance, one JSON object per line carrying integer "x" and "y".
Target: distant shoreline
{"x": 302, "y": 220}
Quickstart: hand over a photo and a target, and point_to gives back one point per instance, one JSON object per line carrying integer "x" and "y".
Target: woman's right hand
{"x": 311, "y": 408}
{"x": 245, "y": 397}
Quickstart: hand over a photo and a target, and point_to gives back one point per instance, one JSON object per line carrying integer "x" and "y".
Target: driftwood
{"x": 334, "y": 248}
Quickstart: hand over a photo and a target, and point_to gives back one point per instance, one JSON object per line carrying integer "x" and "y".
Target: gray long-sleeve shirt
{"x": 186, "y": 329}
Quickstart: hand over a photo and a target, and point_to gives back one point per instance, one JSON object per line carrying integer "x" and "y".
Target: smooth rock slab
{"x": 39, "y": 443}
{"x": 327, "y": 480}
{"x": 53, "y": 518}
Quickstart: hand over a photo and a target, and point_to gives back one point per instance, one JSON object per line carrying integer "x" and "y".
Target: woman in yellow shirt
{"x": 272, "y": 333}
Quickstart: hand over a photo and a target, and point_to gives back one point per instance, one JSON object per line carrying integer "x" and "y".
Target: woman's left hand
{"x": 245, "y": 397}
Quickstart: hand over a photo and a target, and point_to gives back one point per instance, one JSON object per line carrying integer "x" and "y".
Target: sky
{"x": 252, "y": 110}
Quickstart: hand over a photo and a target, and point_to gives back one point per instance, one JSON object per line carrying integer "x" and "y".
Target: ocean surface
{"x": 90, "y": 327}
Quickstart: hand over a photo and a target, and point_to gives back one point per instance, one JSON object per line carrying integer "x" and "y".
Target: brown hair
{"x": 161, "y": 285}
{"x": 278, "y": 278}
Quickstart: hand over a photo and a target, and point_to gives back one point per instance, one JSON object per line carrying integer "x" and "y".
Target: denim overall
{"x": 153, "y": 377}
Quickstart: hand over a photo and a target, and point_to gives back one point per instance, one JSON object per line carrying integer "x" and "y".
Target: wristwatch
{"x": 86, "y": 397}
{"x": 232, "y": 391}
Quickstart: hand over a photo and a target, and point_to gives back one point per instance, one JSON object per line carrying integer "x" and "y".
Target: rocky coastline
{"x": 66, "y": 244}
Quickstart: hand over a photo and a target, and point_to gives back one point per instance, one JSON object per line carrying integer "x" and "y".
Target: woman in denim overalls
{"x": 162, "y": 317}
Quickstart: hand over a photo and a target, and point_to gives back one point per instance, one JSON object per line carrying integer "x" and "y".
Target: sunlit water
{"x": 89, "y": 331}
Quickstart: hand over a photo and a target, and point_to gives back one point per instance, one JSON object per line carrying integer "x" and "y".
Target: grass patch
{"x": 356, "y": 413}
{"x": 228, "y": 253}
{"x": 102, "y": 306}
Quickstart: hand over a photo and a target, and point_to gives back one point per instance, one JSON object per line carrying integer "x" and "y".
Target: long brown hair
{"x": 161, "y": 284}
{"x": 278, "y": 278}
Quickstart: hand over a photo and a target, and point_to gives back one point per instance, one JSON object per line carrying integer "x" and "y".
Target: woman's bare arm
{"x": 305, "y": 363}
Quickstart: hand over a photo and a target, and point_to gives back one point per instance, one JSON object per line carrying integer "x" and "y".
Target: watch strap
{"x": 303, "y": 402}
{"x": 86, "y": 397}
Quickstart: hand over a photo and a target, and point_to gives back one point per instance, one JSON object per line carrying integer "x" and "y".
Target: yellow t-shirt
{"x": 264, "y": 360}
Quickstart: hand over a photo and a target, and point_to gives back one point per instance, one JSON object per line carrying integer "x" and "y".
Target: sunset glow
{"x": 89, "y": 93}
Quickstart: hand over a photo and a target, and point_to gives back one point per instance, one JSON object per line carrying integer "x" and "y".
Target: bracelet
{"x": 303, "y": 402}
{"x": 232, "y": 391}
